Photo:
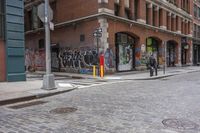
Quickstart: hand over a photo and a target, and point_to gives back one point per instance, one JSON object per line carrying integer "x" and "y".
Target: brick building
{"x": 131, "y": 31}
{"x": 12, "y": 40}
{"x": 196, "y": 33}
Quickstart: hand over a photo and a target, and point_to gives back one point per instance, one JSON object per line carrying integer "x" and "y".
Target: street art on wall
{"x": 55, "y": 61}
{"x": 78, "y": 58}
{"x": 70, "y": 60}
{"x": 125, "y": 53}
{"x": 34, "y": 59}
{"x": 137, "y": 56}
{"x": 109, "y": 58}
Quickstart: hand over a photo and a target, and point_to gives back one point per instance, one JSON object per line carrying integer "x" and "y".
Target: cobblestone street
{"x": 169, "y": 105}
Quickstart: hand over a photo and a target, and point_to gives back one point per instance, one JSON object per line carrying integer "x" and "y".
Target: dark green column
{"x": 15, "y": 52}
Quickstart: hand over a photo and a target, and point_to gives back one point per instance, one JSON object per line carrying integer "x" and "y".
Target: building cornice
{"x": 113, "y": 17}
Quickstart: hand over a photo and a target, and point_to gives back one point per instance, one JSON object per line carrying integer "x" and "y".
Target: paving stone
{"x": 125, "y": 107}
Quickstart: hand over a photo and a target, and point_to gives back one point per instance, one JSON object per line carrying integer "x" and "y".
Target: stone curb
{"x": 98, "y": 78}
{"x": 155, "y": 77}
{"x": 147, "y": 78}
{"x": 33, "y": 97}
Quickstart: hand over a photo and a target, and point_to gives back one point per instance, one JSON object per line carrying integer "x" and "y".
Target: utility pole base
{"x": 48, "y": 82}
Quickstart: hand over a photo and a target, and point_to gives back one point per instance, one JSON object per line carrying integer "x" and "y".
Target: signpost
{"x": 41, "y": 12}
{"x": 45, "y": 13}
{"x": 98, "y": 34}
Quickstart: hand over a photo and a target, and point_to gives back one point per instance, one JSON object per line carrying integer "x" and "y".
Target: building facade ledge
{"x": 116, "y": 18}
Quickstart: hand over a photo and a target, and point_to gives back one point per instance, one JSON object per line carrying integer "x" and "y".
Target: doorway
{"x": 196, "y": 54}
{"x": 152, "y": 47}
{"x": 125, "y": 52}
{"x": 171, "y": 53}
{"x": 184, "y": 49}
{"x": 55, "y": 61}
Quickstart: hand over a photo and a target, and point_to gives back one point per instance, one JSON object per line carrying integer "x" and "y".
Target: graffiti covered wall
{"x": 34, "y": 59}
{"x": 80, "y": 59}
{"x": 64, "y": 59}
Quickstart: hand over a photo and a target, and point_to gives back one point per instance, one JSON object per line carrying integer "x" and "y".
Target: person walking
{"x": 153, "y": 65}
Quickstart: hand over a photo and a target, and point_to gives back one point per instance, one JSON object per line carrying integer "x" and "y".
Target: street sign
{"x": 41, "y": 12}
{"x": 99, "y": 30}
{"x": 51, "y": 26}
{"x": 143, "y": 48}
{"x": 97, "y": 34}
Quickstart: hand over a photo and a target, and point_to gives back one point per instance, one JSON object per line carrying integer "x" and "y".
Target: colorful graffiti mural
{"x": 64, "y": 58}
{"x": 34, "y": 59}
{"x": 109, "y": 58}
{"x": 70, "y": 60}
{"x": 78, "y": 58}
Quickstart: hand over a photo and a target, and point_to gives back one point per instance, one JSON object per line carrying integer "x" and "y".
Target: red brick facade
{"x": 196, "y": 33}
{"x": 2, "y": 61}
{"x": 148, "y": 22}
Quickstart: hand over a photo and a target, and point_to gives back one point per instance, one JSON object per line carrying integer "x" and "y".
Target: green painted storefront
{"x": 14, "y": 40}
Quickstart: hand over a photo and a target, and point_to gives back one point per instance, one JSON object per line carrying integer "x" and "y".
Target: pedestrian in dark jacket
{"x": 153, "y": 65}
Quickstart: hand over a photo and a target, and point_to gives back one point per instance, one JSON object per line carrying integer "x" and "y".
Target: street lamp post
{"x": 165, "y": 48}
{"x": 48, "y": 79}
{"x": 98, "y": 34}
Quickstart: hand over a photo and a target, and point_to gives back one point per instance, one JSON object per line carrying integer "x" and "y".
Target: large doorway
{"x": 171, "y": 53}
{"x": 152, "y": 47}
{"x": 55, "y": 62}
{"x": 196, "y": 54}
{"x": 184, "y": 49}
{"x": 125, "y": 52}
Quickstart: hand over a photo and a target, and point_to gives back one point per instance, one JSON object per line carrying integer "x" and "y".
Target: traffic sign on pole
{"x": 98, "y": 34}
{"x": 45, "y": 16}
{"x": 41, "y": 12}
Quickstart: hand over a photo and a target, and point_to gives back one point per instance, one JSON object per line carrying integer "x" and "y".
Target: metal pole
{"x": 47, "y": 37}
{"x": 48, "y": 80}
{"x": 98, "y": 55}
{"x": 165, "y": 47}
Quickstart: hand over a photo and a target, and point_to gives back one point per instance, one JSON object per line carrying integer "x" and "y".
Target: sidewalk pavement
{"x": 146, "y": 75}
{"x": 12, "y": 92}
{"x": 132, "y": 75}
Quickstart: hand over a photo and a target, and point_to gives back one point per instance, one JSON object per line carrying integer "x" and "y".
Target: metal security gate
{"x": 171, "y": 53}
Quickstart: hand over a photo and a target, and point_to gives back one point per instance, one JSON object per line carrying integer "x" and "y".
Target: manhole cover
{"x": 63, "y": 110}
{"x": 181, "y": 124}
